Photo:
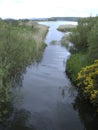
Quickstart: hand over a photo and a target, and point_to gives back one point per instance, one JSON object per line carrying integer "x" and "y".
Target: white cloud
{"x": 46, "y": 8}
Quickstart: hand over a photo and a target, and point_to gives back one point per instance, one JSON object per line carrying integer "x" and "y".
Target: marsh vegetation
{"x": 21, "y": 43}
{"x": 66, "y": 28}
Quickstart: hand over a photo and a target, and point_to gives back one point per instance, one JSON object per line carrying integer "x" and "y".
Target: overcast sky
{"x": 47, "y": 8}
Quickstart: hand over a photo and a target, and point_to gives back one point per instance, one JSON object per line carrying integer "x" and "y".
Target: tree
{"x": 80, "y": 35}
{"x": 93, "y": 42}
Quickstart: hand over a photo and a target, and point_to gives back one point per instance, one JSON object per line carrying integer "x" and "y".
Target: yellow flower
{"x": 86, "y": 79}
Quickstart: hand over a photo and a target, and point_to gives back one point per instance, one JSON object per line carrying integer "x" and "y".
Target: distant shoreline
{"x": 75, "y": 19}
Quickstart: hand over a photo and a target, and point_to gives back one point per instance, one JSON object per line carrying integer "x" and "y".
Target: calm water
{"x": 48, "y": 100}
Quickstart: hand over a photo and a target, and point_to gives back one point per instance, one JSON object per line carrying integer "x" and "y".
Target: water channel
{"x": 47, "y": 94}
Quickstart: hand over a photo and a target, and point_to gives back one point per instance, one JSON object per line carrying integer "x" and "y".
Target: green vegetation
{"x": 21, "y": 43}
{"x": 65, "y": 40}
{"x": 82, "y": 66}
{"x": 74, "y": 65}
{"x": 53, "y": 42}
{"x": 81, "y": 34}
{"x": 93, "y": 42}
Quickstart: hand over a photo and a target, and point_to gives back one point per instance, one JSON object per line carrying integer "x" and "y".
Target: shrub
{"x": 87, "y": 83}
{"x": 80, "y": 34}
{"x": 93, "y": 42}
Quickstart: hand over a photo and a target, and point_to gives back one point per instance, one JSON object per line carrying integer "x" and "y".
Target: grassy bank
{"x": 82, "y": 66}
{"x": 66, "y": 38}
{"x": 66, "y": 28}
{"x": 21, "y": 43}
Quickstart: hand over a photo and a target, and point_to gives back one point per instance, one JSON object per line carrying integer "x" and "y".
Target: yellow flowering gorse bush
{"x": 87, "y": 82}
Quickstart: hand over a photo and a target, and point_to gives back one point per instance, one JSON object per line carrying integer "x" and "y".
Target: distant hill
{"x": 57, "y": 19}
{"x": 48, "y": 19}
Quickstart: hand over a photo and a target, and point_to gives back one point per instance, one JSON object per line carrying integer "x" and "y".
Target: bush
{"x": 85, "y": 38}
{"x": 80, "y": 35}
{"x": 93, "y": 42}
{"x": 87, "y": 83}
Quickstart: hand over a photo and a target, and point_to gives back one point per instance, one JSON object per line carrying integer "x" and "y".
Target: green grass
{"x": 75, "y": 63}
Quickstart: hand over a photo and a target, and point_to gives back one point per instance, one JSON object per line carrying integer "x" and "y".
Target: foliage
{"x": 93, "y": 42}
{"x": 80, "y": 35}
{"x": 75, "y": 64}
{"x": 87, "y": 82}
{"x": 85, "y": 38}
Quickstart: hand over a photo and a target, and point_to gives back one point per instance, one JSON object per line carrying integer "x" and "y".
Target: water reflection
{"x": 69, "y": 91}
{"x": 20, "y": 121}
{"x": 17, "y": 82}
{"x": 86, "y": 113}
